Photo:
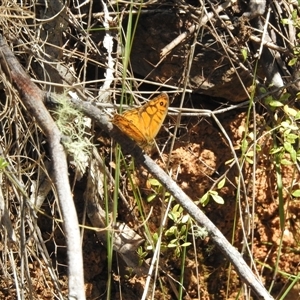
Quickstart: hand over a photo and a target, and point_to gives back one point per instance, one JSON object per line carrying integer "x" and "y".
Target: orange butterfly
{"x": 143, "y": 123}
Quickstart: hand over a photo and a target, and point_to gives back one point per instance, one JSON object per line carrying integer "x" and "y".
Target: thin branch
{"x": 270, "y": 45}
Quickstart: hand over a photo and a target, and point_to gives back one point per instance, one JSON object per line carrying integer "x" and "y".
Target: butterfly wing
{"x": 128, "y": 128}
{"x": 153, "y": 114}
{"x": 142, "y": 124}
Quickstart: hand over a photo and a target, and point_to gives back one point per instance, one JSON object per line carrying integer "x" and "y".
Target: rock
{"x": 211, "y": 73}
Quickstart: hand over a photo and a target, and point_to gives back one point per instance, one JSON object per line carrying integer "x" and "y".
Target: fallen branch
{"x": 32, "y": 98}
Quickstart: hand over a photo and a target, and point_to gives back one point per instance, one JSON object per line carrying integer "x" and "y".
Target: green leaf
{"x": 291, "y": 137}
{"x": 176, "y": 208}
{"x": 290, "y": 111}
{"x": 155, "y": 237}
{"x": 244, "y": 146}
{"x": 297, "y": 117}
{"x": 275, "y": 150}
{"x": 218, "y": 199}
{"x": 183, "y": 230}
{"x": 295, "y": 13}
{"x": 288, "y": 147}
{"x": 171, "y": 231}
{"x": 275, "y": 103}
{"x": 262, "y": 90}
{"x": 258, "y": 148}
{"x": 213, "y": 193}
{"x": 251, "y": 135}
{"x": 172, "y": 245}
{"x": 151, "y": 197}
{"x": 286, "y": 21}
{"x": 154, "y": 182}
{"x": 249, "y": 160}
{"x": 205, "y": 199}
{"x": 174, "y": 215}
{"x": 186, "y": 244}
{"x": 288, "y": 125}
{"x": 228, "y": 162}
{"x": 286, "y": 162}
{"x": 296, "y": 193}
{"x": 293, "y": 155}
{"x": 284, "y": 97}
{"x": 221, "y": 183}
{"x": 185, "y": 219}
{"x": 3, "y": 163}
{"x": 244, "y": 53}
{"x": 250, "y": 153}
{"x": 293, "y": 61}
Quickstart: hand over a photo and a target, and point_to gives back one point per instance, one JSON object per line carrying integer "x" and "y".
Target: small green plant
{"x": 213, "y": 194}
{"x": 163, "y": 245}
{"x": 247, "y": 150}
{"x": 287, "y": 136}
{"x": 178, "y": 231}
{"x": 175, "y": 236}
{"x": 142, "y": 255}
{"x": 285, "y": 149}
{"x": 157, "y": 189}
{"x": 3, "y": 164}
{"x": 294, "y": 21}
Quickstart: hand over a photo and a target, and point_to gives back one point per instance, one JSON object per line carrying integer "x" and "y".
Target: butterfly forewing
{"x": 153, "y": 115}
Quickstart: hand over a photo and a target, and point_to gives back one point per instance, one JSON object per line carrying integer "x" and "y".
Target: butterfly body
{"x": 143, "y": 123}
